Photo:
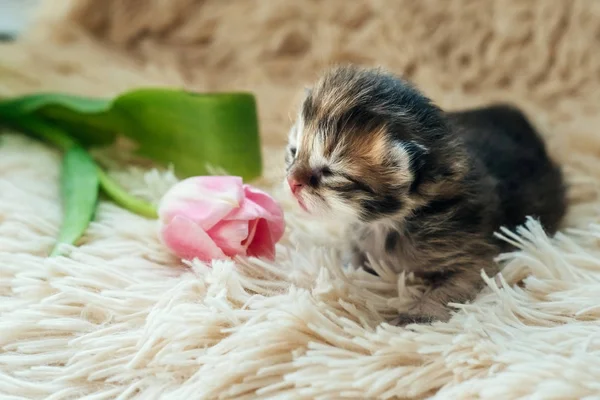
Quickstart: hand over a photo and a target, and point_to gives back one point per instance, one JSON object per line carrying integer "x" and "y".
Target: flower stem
{"x": 124, "y": 199}
{"x": 47, "y": 132}
{"x": 110, "y": 187}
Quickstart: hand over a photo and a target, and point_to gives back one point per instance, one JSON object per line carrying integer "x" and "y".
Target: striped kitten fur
{"x": 421, "y": 190}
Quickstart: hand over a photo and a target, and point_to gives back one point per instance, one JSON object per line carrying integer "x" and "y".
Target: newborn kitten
{"x": 423, "y": 190}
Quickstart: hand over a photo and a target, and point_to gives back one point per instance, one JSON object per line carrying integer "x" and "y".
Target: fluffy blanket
{"x": 119, "y": 318}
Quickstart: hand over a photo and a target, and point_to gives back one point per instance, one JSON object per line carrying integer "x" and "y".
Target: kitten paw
{"x": 423, "y": 313}
{"x": 407, "y": 318}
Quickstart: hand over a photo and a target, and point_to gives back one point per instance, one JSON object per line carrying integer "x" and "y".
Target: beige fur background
{"x": 538, "y": 54}
{"x": 120, "y": 317}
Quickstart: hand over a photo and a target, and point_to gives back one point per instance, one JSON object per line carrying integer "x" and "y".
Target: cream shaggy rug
{"x": 119, "y": 318}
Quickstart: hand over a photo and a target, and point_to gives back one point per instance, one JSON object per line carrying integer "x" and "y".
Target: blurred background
{"x": 538, "y": 54}
{"x": 14, "y": 16}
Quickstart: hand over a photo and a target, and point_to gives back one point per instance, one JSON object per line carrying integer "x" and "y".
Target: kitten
{"x": 423, "y": 190}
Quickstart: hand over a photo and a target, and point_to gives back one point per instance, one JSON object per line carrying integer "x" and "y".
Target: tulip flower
{"x": 219, "y": 217}
{"x": 183, "y": 129}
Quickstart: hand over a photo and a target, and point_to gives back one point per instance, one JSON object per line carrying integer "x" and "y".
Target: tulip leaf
{"x": 79, "y": 187}
{"x": 190, "y": 131}
{"x": 67, "y": 111}
{"x": 50, "y": 133}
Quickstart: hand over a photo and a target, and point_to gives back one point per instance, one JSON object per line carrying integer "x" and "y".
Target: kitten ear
{"x": 412, "y": 156}
{"x": 418, "y": 159}
{"x": 417, "y": 155}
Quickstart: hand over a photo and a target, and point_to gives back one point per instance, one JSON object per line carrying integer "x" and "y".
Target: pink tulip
{"x": 217, "y": 217}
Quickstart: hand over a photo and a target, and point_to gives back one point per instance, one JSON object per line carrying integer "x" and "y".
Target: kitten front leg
{"x": 358, "y": 259}
{"x": 357, "y": 249}
{"x": 459, "y": 286}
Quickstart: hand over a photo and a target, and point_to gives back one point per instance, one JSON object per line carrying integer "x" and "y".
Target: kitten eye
{"x": 326, "y": 171}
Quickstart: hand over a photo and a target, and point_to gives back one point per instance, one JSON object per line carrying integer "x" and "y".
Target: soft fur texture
{"x": 421, "y": 190}
{"x": 121, "y": 318}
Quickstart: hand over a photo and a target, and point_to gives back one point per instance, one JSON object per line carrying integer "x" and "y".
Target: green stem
{"x": 124, "y": 199}
{"x": 112, "y": 189}
{"x": 47, "y": 132}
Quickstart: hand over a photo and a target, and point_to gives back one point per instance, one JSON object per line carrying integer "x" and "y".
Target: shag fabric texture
{"x": 119, "y": 317}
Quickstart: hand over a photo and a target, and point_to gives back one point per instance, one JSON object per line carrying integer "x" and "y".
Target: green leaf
{"x": 66, "y": 111}
{"x": 191, "y": 131}
{"x": 59, "y": 138}
{"x": 79, "y": 192}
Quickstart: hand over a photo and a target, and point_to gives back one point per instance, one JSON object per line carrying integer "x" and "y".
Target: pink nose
{"x": 294, "y": 184}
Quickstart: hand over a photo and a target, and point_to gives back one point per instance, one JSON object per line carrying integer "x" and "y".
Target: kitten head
{"x": 366, "y": 145}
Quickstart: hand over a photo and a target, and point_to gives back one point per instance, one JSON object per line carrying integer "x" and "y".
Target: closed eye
{"x": 290, "y": 156}
{"x": 349, "y": 184}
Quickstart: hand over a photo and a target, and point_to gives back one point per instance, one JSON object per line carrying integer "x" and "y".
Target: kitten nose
{"x": 300, "y": 178}
{"x": 295, "y": 185}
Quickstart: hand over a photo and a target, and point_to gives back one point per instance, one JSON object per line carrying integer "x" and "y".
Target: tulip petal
{"x": 274, "y": 215}
{"x": 205, "y": 200}
{"x": 221, "y": 186}
{"x": 257, "y": 204}
{"x": 188, "y": 240}
{"x": 263, "y": 244}
{"x": 251, "y": 232}
{"x": 230, "y": 236}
